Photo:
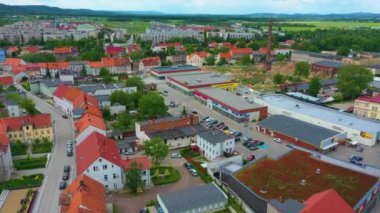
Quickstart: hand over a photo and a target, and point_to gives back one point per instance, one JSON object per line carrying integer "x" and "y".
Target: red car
{"x": 251, "y": 157}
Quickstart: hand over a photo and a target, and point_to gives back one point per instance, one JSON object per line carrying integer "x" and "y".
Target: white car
{"x": 278, "y": 140}
{"x": 176, "y": 155}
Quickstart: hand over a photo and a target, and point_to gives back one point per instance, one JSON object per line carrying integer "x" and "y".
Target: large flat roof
{"x": 323, "y": 113}
{"x": 201, "y": 79}
{"x": 228, "y": 98}
{"x": 180, "y": 68}
{"x": 304, "y": 131}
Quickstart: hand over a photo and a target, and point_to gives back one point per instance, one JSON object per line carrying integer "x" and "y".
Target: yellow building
{"x": 368, "y": 106}
{"x": 27, "y": 128}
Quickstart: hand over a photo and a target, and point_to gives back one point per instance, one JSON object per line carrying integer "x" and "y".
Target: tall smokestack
{"x": 268, "y": 60}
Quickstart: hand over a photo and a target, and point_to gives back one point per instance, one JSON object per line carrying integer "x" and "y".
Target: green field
{"x": 131, "y": 26}
{"x": 327, "y": 25}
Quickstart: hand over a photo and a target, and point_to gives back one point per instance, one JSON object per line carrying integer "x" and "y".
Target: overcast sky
{"x": 215, "y": 6}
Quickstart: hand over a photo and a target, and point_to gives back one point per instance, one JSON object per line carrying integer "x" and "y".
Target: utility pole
{"x": 268, "y": 60}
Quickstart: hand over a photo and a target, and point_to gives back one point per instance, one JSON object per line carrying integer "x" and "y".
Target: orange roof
{"x": 13, "y": 61}
{"x": 95, "y": 64}
{"x": 226, "y": 55}
{"x": 94, "y": 110}
{"x": 151, "y": 61}
{"x": 4, "y": 143}
{"x": 84, "y": 195}
{"x": 18, "y": 69}
{"x": 31, "y": 49}
{"x": 116, "y": 61}
{"x": 201, "y": 54}
{"x": 16, "y": 123}
{"x": 326, "y": 201}
{"x": 6, "y": 80}
{"x": 55, "y": 65}
{"x": 241, "y": 51}
{"x": 263, "y": 50}
{"x": 143, "y": 162}
{"x": 89, "y": 120}
{"x": 12, "y": 49}
{"x": 62, "y": 50}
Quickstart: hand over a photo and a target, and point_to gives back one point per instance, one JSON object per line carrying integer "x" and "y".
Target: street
{"x": 47, "y": 200}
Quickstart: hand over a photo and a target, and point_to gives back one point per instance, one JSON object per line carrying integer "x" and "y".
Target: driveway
{"x": 128, "y": 203}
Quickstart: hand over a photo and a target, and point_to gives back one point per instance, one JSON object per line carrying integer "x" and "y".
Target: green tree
{"x": 39, "y": 57}
{"x": 344, "y": 51}
{"x": 152, "y": 106}
{"x": 170, "y": 50}
{"x": 278, "y": 78}
{"x": 280, "y": 57}
{"x": 106, "y": 113}
{"x": 184, "y": 112}
{"x": 125, "y": 120}
{"x": 241, "y": 43}
{"x": 136, "y": 55}
{"x": 224, "y": 50}
{"x": 29, "y": 106}
{"x": 156, "y": 149}
{"x": 136, "y": 82}
{"x": 353, "y": 79}
{"x": 92, "y": 55}
{"x": 245, "y": 60}
{"x": 104, "y": 72}
{"x": 210, "y": 60}
{"x": 302, "y": 69}
{"x": 133, "y": 178}
{"x": 222, "y": 61}
{"x": 314, "y": 86}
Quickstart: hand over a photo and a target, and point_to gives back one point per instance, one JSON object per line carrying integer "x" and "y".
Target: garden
{"x": 18, "y": 148}
{"x": 41, "y": 147}
{"x": 23, "y": 182}
{"x": 30, "y": 163}
{"x": 164, "y": 175}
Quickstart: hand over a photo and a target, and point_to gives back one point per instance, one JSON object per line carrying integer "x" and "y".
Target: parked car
{"x": 357, "y": 163}
{"x": 248, "y": 139}
{"x": 251, "y": 157}
{"x": 69, "y": 142}
{"x": 224, "y": 128}
{"x": 290, "y": 146}
{"x": 237, "y": 134}
{"x": 65, "y": 176}
{"x": 205, "y": 118}
{"x": 213, "y": 122}
{"x": 176, "y": 155}
{"x": 62, "y": 185}
{"x": 65, "y": 116}
{"x": 355, "y": 158}
{"x": 187, "y": 165}
{"x": 173, "y": 104}
{"x": 193, "y": 172}
{"x": 252, "y": 148}
{"x": 129, "y": 151}
{"x": 194, "y": 112}
{"x": 278, "y": 140}
{"x": 220, "y": 125}
{"x": 237, "y": 139}
{"x": 66, "y": 168}
{"x": 359, "y": 149}
{"x": 69, "y": 151}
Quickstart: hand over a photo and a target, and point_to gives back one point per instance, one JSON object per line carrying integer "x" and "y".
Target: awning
{"x": 330, "y": 146}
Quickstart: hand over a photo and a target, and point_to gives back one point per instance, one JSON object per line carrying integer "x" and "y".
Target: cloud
{"x": 216, "y": 6}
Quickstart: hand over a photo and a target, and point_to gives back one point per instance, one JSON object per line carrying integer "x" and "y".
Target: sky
{"x": 214, "y": 6}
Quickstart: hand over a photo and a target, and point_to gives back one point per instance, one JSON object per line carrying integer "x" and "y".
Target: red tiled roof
{"x": 6, "y": 80}
{"x": 115, "y": 61}
{"x": 133, "y": 47}
{"x": 151, "y": 61}
{"x": 175, "y": 44}
{"x": 84, "y": 195}
{"x": 16, "y": 123}
{"x": 93, "y": 147}
{"x": 13, "y": 61}
{"x": 4, "y": 143}
{"x": 18, "y": 69}
{"x": 89, "y": 120}
{"x": 95, "y": 64}
{"x": 367, "y": 98}
{"x": 111, "y": 50}
{"x": 12, "y": 49}
{"x": 326, "y": 201}
{"x": 62, "y": 50}
{"x": 226, "y": 55}
{"x": 263, "y": 50}
{"x": 55, "y": 65}
{"x": 143, "y": 162}
{"x": 241, "y": 51}
{"x": 31, "y": 49}
{"x": 60, "y": 91}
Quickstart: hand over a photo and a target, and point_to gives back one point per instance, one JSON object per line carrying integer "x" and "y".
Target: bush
{"x": 163, "y": 178}
{"x": 41, "y": 147}
{"x": 188, "y": 152}
{"x": 30, "y": 163}
{"x": 18, "y": 148}
{"x": 23, "y": 182}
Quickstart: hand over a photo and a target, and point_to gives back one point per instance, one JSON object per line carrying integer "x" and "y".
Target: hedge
{"x": 30, "y": 163}
{"x": 173, "y": 177}
{"x": 42, "y": 147}
{"x": 201, "y": 171}
{"x": 23, "y": 182}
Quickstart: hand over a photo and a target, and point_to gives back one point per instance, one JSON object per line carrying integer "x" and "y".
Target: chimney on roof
{"x": 82, "y": 186}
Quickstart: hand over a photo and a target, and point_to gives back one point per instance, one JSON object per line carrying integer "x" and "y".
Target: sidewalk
{"x": 20, "y": 173}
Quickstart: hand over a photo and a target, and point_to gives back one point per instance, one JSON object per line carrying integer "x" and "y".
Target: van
{"x": 278, "y": 140}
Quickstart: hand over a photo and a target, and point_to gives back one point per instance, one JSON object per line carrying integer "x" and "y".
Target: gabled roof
{"x": 263, "y": 50}
{"x": 55, "y": 65}
{"x": 112, "y": 50}
{"x": 115, "y": 61}
{"x": 241, "y": 51}
{"x": 60, "y": 91}
{"x": 4, "y": 143}
{"x": 84, "y": 195}
{"x": 16, "y": 123}
{"x": 95, "y": 64}
{"x": 12, "y": 49}
{"x": 201, "y": 54}
{"x": 143, "y": 162}
{"x": 226, "y": 55}
{"x": 31, "y": 49}
{"x": 151, "y": 61}
{"x": 6, "y": 80}
{"x": 87, "y": 120}
{"x": 367, "y": 98}
{"x": 96, "y": 146}
{"x": 62, "y": 50}
{"x": 326, "y": 201}
{"x": 13, "y": 61}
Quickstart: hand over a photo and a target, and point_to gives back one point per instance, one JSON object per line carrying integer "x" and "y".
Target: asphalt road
{"x": 47, "y": 200}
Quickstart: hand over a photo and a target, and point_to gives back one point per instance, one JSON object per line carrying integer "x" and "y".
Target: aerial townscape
{"x": 189, "y": 107}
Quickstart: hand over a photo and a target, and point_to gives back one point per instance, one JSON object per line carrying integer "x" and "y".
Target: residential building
{"x": 235, "y": 54}
{"x": 163, "y": 36}
{"x": 117, "y": 109}
{"x": 93, "y": 68}
{"x": 163, "y": 47}
{"x": 311, "y": 137}
{"x": 83, "y": 195}
{"x": 165, "y": 71}
{"x": 197, "y": 59}
{"x": 231, "y": 105}
{"x": 112, "y": 51}
{"x": 231, "y": 35}
{"x": 178, "y": 59}
{"x": 364, "y": 131}
{"x": 117, "y": 65}
{"x": 68, "y": 76}
{"x": 46, "y": 87}
{"x": 147, "y": 64}
{"x": 188, "y": 83}
{"x": 287, "y": 43}
{"x": 103, "y": 101}
{"x": 326, "y": 68}
{"x": 11, "y": 51}
{"x": 62, "y": 53}
{"x": 88, "y": 124}
{"x": 6, "y": 81}
{"x": 368, "y": 106}
{"x": 215, "y": 143}
{"x": 30, "y": 50}
{"x": 77, "y": 67}
{"x": 203, "y": 198}
{"x": 6, "y": 161}
{"x": 27, "y": 128}
{"x": 55, "y": 68}
{"x": 106, "y": 89}
{"x": 13, "y": 109}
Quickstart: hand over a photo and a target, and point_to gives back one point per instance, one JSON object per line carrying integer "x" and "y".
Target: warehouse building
{"x": 231, "y": 105}
{"x": 361, "y": 130}
{"x": 301, "y": 133}
{"x": 189, "y": 83}
{"x": 165, "y": 71}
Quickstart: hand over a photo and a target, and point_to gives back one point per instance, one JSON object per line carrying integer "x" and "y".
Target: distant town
{"x": 179, "y": 117}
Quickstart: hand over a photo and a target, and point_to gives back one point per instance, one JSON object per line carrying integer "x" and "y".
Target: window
{"x": 27, "y": 127}
{"x": 42, "y": 132}
{"x": 95, "y": 168}
{"x": 106, "y": 186}
{"x": 144, "y": 172}
{"x": 10, "y": 136}
{"x": 104, "y": 167}
{"x": 105, "y": 177}
{"x": 100, "y": 160}
{"x": 115, "y": 185}
{"x": 88, "y": 170}
{"x": 111, "y": 166}
{"x": 114, "y": 176}
{"x": 48, "y": 131}
{"x": 36, "y": 133}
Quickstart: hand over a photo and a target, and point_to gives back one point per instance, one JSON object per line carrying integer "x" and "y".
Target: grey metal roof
{"x": 333, "y": 64}
{"x": 164, "y": 69}
{"x": 126, "y": 144}
{"x": 11, "y": 103}
{"x": 319, "y": 55}
{"x": 227, "y": 98}
{"x": 78, "y": 111}
{"x": 304, "y": 131}
{"x": 214, "y": 136}
{"x": 53, "y": 82}
{"x": 193, "y": 198}
{"x": 103, "y": 97}
{"x": 289, "y": 206}
{"x": 323, "y": 113}
{"x": 201, "y": 79}
{"x": 178, "y": 132}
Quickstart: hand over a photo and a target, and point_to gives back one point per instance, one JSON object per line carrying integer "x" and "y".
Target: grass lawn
{"x": 18, "y": 149}
{"x": 164, "y": 175}
{"x": 42, "y": 148}
{"x": 31, "y": 163}
{"x": 131, "y": 26}
{"x": 23, "y": 182}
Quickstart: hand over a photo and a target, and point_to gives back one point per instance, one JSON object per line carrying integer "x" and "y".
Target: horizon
{"x": 213, "y": 7}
